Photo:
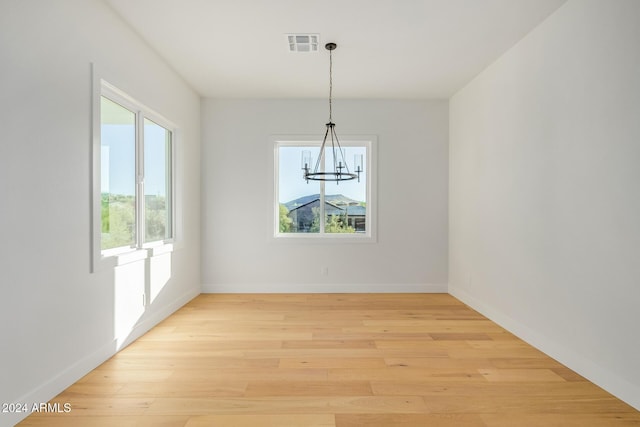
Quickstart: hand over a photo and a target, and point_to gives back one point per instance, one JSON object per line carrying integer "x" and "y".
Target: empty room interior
{"x": 337, "y": 213}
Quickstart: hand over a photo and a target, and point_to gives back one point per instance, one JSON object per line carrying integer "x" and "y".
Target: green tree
{"x": 338, "y": 224}
{"x": 285, "y": 221}
{"x": 118, "y": 220}
{"x": 155, "y": 218}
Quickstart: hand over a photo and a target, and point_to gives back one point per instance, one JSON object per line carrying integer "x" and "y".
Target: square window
{"x": 322, "y": 209}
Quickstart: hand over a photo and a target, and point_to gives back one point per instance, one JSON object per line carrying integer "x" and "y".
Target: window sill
{"x": 129, "y": 257}
{"x": 160, "y": 249}
{"x": 323, "y": 238}
{"x": 112, "y": 260}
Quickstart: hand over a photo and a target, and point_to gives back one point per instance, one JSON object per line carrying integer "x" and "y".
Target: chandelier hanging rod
{"x": 340, "y": 170}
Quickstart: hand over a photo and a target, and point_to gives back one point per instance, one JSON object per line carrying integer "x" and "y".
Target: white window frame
{"x": 108, "y": 258}
{"x": 346, "y": 141}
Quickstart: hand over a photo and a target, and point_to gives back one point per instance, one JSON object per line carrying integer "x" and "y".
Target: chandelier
{"x": 337, "y": 170}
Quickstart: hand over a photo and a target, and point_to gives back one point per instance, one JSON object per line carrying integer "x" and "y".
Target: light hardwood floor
{"x": 333, "y": 360}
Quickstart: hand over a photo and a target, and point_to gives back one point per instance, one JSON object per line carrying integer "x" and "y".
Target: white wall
{"x": 411, "y": 250}
{"x": 57, "y": 320}
{"x": 544, "y": 198}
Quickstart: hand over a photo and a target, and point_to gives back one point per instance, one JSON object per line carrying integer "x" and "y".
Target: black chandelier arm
{"x": 321, "y": 153}
{"x": 335, "y": 158}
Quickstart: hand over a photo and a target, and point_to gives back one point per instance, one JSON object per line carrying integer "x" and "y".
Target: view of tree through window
{"x": 121, "y": 226}
{"x": 341, "y": 205}
{"x": 157, "y": 182}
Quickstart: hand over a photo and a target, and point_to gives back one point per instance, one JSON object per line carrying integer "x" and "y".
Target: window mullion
{"x": 321, "y": 210}
{"x": 139, "y": 179}
{"x": 169, "y": 183}
{"x": 322, "y": 199}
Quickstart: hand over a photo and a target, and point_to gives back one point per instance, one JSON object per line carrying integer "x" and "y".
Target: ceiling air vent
{"x": 303, "y": 42}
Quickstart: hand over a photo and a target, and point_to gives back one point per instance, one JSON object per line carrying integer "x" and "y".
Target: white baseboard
{"x": 321, "y": 288}
{"x": 55, "y": 385}
{"x": 619, "y": 387}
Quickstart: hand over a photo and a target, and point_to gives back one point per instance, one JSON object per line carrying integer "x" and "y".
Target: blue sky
{"x": 293, "y": 186}
{"x": 118, "y": 159}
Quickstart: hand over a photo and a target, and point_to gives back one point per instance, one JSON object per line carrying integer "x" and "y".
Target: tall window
{"x": 317, "y": 208}
{"x": 135, "y": 176}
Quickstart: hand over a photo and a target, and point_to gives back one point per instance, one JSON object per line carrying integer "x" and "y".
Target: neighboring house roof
{"x": 337, "y": 200}
{"x": 318, "y": 201}
{"x": 355, "y": 210}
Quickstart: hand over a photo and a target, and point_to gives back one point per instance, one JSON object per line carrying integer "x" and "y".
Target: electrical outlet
{"x": 324, "y": 271}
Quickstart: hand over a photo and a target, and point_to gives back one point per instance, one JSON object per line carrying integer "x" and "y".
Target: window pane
{"x": 117, "y": 175}
{"x": 299, "y": 201}
{"x": 157, "y": 182}
{"x": 346, "y": 201}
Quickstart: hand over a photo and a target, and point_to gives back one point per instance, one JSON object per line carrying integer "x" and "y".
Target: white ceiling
{"x": 386, "y": 48}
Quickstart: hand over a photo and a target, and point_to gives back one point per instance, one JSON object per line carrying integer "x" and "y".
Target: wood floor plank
{"x": 333, "y": 360}
{"x": 308, "y": 388}
{"x": 94, "y": 389}
{"x": 520, "y": 375}
{"x": 507, "y": 405}
{"x": 492, "y": 353}
{"x": 562, "y": 420}
{"x": 443, "y": 363}
{"x": 380, "y": 329}
{"x": 372, "y": 334}
{"x": 460, "y": 336}
{"x": 329, "y": 344}
{"x": 343, "y": 353}
{"x": 250, "y": 374}
{"x": 406, "y": 374}
{"x": 567, "y": 373}
{"x": 453, "y": 388}
{"x": 289, "y": 405}
{"x": 408, "y": 420}
{"x": 417, "y": 345}
{"x": 171, "y": 347}
{"x": 100, "y": 406}
{"x": 209, "y": 389}
{"x": 186, "y": 335}
{"x": 104, "y": 375}
{"x": 188, "y": 362}
{"x": 529, "y": 363}
{"x": 324, "y": 362}
{"x": 288, "y": 420}
{"x": 106, "y": 421}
